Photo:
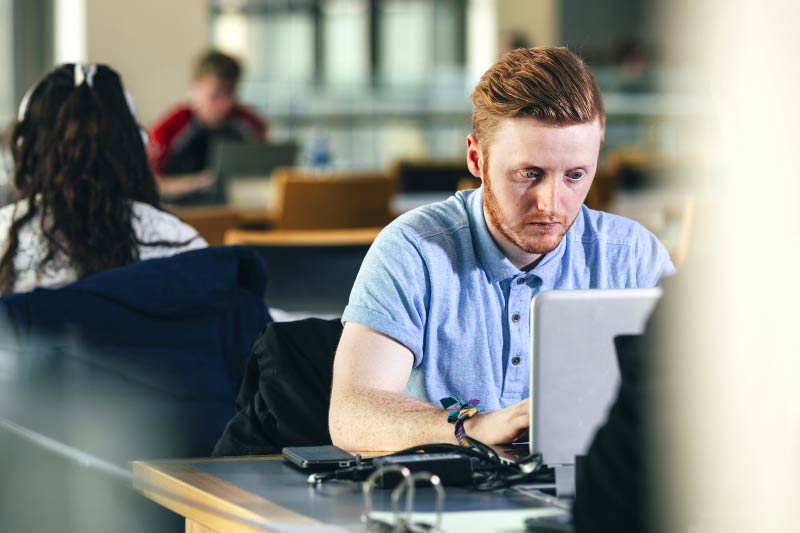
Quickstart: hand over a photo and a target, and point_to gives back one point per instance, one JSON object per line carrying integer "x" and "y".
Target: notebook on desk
{"x": 574, "y": 373}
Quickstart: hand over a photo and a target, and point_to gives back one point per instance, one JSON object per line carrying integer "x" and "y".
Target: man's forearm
{"x": 176, "y": 185}
{"x": 376, "y": 420}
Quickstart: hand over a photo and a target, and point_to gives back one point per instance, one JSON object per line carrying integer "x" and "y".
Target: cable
{"x": 491, "y": 474}
{"x": 358, "y": 472}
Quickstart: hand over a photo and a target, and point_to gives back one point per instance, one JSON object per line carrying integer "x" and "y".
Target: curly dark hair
{"x": 79, "y": 163}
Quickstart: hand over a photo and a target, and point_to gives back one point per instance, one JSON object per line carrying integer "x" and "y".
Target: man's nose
{"x": 547, "y": 195}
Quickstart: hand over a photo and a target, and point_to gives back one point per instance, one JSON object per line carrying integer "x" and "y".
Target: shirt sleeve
{"x": 162, "y": 134}
{"x": 652, "y": 260}
{"x": 392, "y": 290}
{"x": 154, "y": 226}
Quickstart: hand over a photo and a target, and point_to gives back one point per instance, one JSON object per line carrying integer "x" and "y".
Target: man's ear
{"x": 474, "y": 156}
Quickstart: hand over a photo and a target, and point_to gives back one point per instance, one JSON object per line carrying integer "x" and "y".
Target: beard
{"x": 523, "y": 233}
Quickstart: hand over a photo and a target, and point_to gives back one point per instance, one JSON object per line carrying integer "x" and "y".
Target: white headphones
{"x": 83, "y": 73}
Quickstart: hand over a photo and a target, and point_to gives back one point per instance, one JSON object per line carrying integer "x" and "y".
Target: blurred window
{"x": 406, "y": 42}
{"x": 274, "y": 38}
{"x": 7, "y": 99}
{"x": 345, "y": 36}
{"x": 341, "y": 43}
{"x": 416, "y": 38}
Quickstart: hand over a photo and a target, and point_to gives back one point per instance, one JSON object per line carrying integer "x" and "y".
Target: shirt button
{"x": 520, "y": 281}
{"x": 515, "y": 317}
{"x": 516, "y": 360}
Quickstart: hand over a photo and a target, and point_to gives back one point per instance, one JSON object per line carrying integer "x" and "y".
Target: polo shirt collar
{"x": 493, "y": 260}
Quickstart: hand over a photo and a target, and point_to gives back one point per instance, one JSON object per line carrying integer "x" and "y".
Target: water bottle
{"x": 319, "y": 150}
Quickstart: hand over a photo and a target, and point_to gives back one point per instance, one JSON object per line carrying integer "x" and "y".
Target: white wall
{"x": 151, "y": 43}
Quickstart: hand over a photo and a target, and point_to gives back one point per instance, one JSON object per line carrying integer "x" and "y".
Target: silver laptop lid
{"x": 574, "y": 369}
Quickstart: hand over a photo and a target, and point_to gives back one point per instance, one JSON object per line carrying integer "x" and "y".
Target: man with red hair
{"x": 440, "y": 306}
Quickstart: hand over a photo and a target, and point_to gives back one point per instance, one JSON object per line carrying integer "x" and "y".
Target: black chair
{"x": 425, "y": 176}
{"x": 313, "y": 279}
{"x": 286, "y": 391}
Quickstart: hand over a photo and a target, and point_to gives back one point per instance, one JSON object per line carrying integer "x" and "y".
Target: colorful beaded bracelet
{"x": 459, "y": 412}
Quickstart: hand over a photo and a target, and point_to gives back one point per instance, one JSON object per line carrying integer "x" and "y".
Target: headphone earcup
{"x": 23, "y": 105}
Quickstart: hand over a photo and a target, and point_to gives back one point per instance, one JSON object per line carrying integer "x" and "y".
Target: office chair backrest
{"x": 286, "y": 391}
{"x": 311, "y": 201}
{"x": 425, "y": 175}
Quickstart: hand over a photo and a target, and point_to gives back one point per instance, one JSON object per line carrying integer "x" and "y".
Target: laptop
{"x": 574, "y": 370}
{"x": 233, "y": 161}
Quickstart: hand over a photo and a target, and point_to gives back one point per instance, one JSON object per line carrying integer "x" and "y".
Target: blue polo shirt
{"x": 435, "y": 281}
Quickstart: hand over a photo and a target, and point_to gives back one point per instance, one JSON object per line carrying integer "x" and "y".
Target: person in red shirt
{"x": 180, "y": 142}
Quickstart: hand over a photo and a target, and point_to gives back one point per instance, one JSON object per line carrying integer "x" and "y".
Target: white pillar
{"x": 151, "y": 43}
{"x": 481, "y": 38}
{"x": 71, "y": 40}
{"x": 730, "y": 452}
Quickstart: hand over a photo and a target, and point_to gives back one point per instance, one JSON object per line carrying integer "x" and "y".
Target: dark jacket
{"x": 615, "y": 483}
{"x": 286, "y": 391}
{"x": 138, "y": 362}
{"x": 157, "y": 347}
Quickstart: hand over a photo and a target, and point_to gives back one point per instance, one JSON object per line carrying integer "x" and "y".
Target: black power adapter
{"x": 453, "y": 469}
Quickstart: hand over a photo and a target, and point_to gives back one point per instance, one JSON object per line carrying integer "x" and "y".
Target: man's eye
{"x": 530, "y": 174}
{"x": 575, "y": 176}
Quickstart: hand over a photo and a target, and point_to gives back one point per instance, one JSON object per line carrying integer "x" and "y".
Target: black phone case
{"x": 318, "y": 458}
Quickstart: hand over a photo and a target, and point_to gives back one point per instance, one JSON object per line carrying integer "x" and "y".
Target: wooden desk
{"x": 303, "y": 237}
{"x": 213, "y": 221}
{"x": 212, "y": 494}
{"x": 266, "y": 491}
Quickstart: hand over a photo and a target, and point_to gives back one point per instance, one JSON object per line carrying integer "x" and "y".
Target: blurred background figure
{"x": 516, "y": 39}
{"x": 88, "y": 198}
{"x": 181, "y": 141}
{"x": 634, "y": 67}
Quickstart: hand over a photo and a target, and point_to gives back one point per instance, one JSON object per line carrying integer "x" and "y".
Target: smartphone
{"x": 318, "y": 458}
{"x": 560, "y": 523}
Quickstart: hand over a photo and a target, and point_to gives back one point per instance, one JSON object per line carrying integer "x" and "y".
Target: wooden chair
{"x": 669, "y": 216}
{"x": 657, "y": 195}
{"x": 303, "y": 200}
{"x": 210, "y": 222}
{"x": 634, "y": 169}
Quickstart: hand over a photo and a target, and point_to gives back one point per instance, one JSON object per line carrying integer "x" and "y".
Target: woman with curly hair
{"x": 89, "y": 201}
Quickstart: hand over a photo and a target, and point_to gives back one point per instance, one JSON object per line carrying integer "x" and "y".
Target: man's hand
{"x": 500, "y": 427}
